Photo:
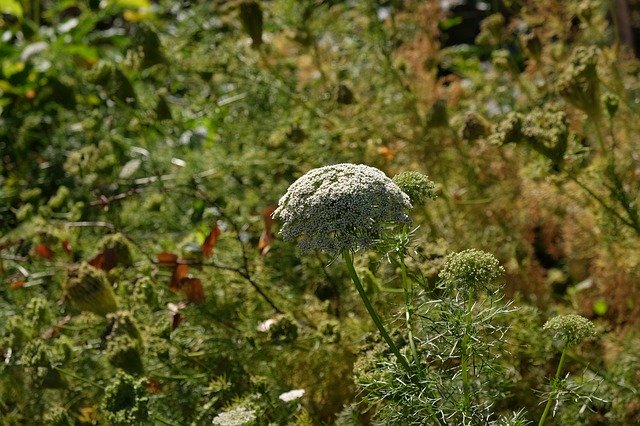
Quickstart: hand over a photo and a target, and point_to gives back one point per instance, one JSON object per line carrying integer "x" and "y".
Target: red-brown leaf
{"x": 43, "y": 250}
{"x": 211, "y": 241}
{"x": 18, "y": 284}
{"x": 179, "y": 272}
{"x": 267, "y": 237}
{"x": 267, "y": 216}
{"x": 193, "y": 289}
{"x": 55, "y": 330}
{"x": 153, "y": 385}
{"x": 264, "y": 244}
{"x": 106, "y": 260}
{"x": 66, "y": 247}
{"x": 167, "y": 259}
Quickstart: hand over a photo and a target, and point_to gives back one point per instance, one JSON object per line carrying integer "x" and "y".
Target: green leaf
{"x": 448, "y": 23}
{"x": 600, "y": 307}
{"x": 140, "y": 4}
{"x": 11, "y": 7}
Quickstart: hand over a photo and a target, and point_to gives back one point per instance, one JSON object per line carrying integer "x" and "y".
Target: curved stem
{"x": 554, "y": 384}
{"x": 348, "y": 260}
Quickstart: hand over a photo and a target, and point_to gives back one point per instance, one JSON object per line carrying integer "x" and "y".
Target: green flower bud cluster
{"x": 474, "y": 127}
{"x": 125, "y": 400}
{"x": 41, "y": 361}
{"x": 124, "y": 343}
{"x": 89, "y": 290}
{"x": 56, "y": 201}
{"x": 578, "y": 84}
{"x": 471, "y": 270}
{"x": 571, "y": 329}
{"x": 237, "y": 416}
{"x": 330, "y": 331}
{"x": 417, "y": 186}
{"x": 91, "y": 160}
{"x": 509, "y": 130}
{"x": 532, "y": 44}
{"x": 58, "y": 416}
{"x": 37, "y": 313}
{"x": 546, "y": 130}
{"x": 543, "y": 129}
{"x": 340, "y": 207}
{"x": 491, "y": 30}
{"x": 284, "y": 330}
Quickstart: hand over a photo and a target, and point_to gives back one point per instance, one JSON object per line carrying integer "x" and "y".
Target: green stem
{"x": 348, "y": 259}
{"x": 464, "y": 346}
{"x": 408, "y": 291}
{"x": 555, "y": 381}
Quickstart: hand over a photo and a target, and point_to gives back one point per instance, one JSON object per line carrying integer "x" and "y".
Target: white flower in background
{"x": 292, "y": 395}
{"x": 340, "y": 207}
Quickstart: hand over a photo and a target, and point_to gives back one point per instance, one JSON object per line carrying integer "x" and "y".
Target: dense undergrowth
{"x": 145, "y": 145}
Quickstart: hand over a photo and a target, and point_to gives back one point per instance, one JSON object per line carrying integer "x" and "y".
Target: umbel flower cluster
{"x": 471, "y": 269}
{"x": 571, "y": 329}
{"x": 340, "y": 207}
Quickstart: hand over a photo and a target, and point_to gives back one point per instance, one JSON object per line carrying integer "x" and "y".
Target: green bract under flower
{"x": 471, "y": 269}
{"x": 571, "y": 329}
{"x": 340, "y": 207}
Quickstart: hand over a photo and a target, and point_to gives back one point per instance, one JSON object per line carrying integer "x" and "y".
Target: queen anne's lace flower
{"x": 235, "y": 417}
{"x": 471, "y": 269}
{"x": 340, "y": 207}
{"x": 571, "y": 329}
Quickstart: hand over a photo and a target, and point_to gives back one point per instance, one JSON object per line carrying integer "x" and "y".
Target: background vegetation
{"x": 152, "y": 141}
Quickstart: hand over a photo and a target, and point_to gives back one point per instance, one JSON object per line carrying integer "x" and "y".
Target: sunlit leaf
{"x": 133, "y": 3}
{"x": 11, "y": 7}
{"x": 211, "y": 241}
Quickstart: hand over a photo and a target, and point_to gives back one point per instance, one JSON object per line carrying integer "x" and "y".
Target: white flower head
{"x": 235, "y": 417}
{"x": 339, "y": 207}
{"x": 292, "y": 395}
